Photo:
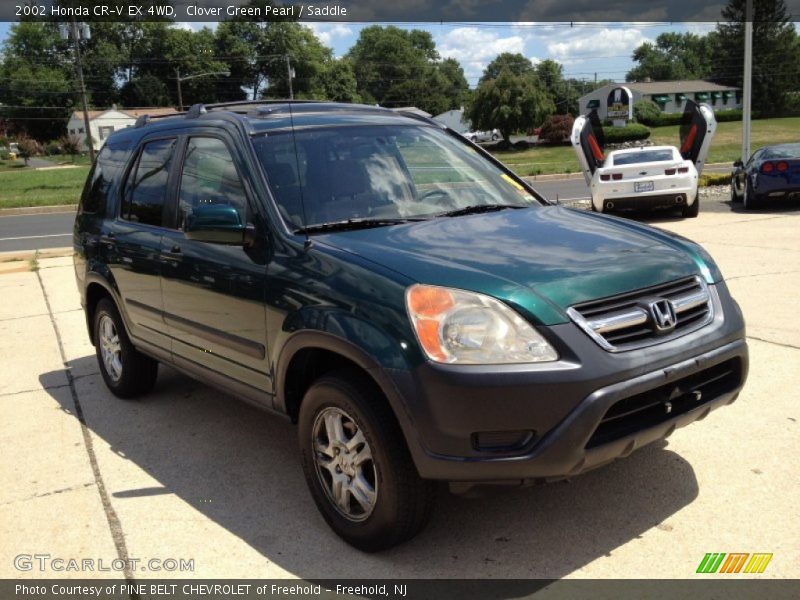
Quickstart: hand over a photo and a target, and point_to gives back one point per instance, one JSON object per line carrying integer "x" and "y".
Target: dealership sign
{"x": 620, "y": 105}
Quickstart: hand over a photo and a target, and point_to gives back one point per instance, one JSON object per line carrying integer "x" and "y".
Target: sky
{"x": 583, "y": 49}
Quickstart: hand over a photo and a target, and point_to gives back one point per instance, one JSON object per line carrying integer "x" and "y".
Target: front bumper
{"x": 559, "y": 419}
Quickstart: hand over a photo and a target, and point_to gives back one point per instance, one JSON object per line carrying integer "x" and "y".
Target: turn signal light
{"x": 782, "y": 166}
{"x": 616, "y": 176}
{"x": 669, "y": 172}
{"x": 683, "y": 169}
{"x": 767, "y": 167}
{"x": 605, "y": 177}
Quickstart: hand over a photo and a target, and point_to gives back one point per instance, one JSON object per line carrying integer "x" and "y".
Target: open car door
{"x": 588, "y": 141}
{"x": 697, "y": 130}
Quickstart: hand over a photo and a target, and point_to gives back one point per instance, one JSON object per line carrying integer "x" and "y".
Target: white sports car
{"x": 647, "y": 177}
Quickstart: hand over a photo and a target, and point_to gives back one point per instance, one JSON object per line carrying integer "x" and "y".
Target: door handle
{"x": 175, "y": 249}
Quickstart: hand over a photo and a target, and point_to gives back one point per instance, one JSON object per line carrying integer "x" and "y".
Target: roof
{"x": 671, "y": 87}
{"x": 258, "y": 117}
{"x": 133, "y": 113}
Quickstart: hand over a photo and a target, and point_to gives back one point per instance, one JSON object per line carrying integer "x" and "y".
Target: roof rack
{"x": 143, "y": 120}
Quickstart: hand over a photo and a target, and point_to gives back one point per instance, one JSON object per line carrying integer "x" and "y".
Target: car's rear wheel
{"x": 735, "y": 197}
{"x": 357, "y": 465}
{"x": 127, "y": 372}
{"x": 690, "y": 211}
{"x": 750, "y": 199}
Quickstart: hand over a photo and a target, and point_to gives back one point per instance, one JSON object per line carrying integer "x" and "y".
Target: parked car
{"x": 772, "y": 172}
{"x": 647, "y": 177}
{"x": 482, "y": 136}
{"x": 418, "y": 310}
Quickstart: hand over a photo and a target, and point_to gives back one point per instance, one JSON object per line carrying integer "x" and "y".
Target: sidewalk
{"x": 53, "y": 506}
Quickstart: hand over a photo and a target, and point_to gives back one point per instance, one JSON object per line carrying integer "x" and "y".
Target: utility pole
{"x": 748, "y": 77}
{"x": 77, "y": 33}
{"x": 180, "y": 95}
{"x": 290, "y": 74}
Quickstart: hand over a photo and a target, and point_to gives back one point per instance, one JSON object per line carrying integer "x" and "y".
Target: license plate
{"x": 643, "y": 186}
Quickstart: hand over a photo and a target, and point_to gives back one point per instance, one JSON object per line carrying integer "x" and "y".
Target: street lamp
{"x": 179, "y": 79}
{"x": 80, "y": 31}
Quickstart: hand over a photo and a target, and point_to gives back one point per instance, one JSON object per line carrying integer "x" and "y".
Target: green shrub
{"x": 5, "y": 155}
{"x": 629, "y": 133}
{"x": 707, "y": 179}
{"x": 646, "y": 111}
{"x": 52, "y": 148}
{"x": 729, "y": 114}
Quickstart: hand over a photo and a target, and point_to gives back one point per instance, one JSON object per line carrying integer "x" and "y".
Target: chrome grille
{"x": 627, "y": 321}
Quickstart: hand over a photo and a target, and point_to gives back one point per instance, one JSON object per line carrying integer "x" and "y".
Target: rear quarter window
{"x": 103, "y": 179}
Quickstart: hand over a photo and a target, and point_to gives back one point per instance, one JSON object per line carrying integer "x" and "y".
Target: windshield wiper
{"x": 477, "y": 209}
{"x": 351, "y": 224}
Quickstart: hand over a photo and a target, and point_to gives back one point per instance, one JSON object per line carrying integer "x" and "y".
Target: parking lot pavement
{"x": 189, "y": 473}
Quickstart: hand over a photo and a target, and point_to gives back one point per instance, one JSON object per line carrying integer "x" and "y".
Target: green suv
{"x": 416, "y": 308}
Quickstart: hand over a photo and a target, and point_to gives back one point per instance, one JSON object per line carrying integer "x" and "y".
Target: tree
{"x": 340, "y": 82}
{"x": 509, "y": 103}
{"x": 556, "y": 128}
{"x": 70, "y": 144}
{"x": 563, "y": 93}
{"x": 397, "y": 67}
{"x": 674, "y": 56}
{"x": 146, "y": 90}
{"x": 776, "y": 53}
{"x": 37, "y": 86}
{"x": 517, "y": 64}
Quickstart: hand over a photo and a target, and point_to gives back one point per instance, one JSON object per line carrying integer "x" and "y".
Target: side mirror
{"x": 738, "y": 163}
{"x": 218, "y": 224}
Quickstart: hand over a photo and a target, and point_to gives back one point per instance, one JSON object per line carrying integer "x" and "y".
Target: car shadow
{"x": 239, "y": 467}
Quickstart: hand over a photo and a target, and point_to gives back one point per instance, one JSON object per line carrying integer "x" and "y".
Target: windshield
{"x": 643, "y": 156}
{"x": 785, "y": 151}
{"x": 334, "y": 174}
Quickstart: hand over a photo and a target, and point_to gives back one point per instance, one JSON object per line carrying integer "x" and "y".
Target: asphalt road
{"x": 31, "y": 232}
{"x": 54, "y": 230}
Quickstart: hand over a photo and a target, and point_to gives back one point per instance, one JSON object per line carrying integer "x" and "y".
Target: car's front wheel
{"x": 357, "y": 465}
{"x": 127, "y": 372}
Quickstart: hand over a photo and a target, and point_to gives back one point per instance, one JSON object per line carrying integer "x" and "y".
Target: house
{"x": 669, "y": 95}
{"x": 103, "y": 123}
{"x": 455, "y": 120}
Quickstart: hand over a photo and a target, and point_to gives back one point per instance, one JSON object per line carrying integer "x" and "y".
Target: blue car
{"x": 773, "y": 172}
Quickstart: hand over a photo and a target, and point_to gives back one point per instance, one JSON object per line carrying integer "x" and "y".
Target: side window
{"x": 147, "y": 184}
{"x": 209, "y": 178}
{"x": 105, "y": 171}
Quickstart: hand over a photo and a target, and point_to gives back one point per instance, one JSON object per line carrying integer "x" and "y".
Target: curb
{"x": 554, "y": 177}
{"x": 37, "y": 210}
{"x": 17, "y": 255}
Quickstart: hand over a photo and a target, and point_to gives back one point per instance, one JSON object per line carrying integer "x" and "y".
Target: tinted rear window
{"x": 103, "y": 176}
{"x": 643, "y": 156}
{"x": 147, "y": 183}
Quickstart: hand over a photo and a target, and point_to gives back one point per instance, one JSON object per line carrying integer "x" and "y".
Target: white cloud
{"x": 328, "y": 32}
{"x": 195, "y": 26}
{"x": 607, "y": 43}
{"x": 475, "y": 48}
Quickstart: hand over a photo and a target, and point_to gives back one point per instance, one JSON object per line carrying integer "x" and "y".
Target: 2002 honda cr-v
{"x": 418, "y": 310}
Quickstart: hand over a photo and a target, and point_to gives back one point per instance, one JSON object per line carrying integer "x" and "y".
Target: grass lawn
{"x": 726, "y": 147}
{"x": 29, "y": 187}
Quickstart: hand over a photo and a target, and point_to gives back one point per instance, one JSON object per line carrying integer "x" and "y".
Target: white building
{"x": 669, "y": 95}
{"x": 455, "y": 120}
{"x": 103, "y": 123}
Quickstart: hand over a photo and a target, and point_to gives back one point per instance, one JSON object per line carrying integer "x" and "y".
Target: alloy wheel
{"x": 110, "y": 348}
{"x": 344, "y": 464}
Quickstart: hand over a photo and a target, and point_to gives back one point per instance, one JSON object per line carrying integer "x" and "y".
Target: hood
{"x": 542, "y": 259}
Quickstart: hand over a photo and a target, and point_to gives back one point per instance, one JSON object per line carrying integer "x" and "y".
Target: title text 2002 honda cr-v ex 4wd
{"x": 418, "y": 310}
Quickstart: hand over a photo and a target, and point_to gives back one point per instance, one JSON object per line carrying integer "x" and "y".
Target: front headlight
{"x": 455, "y": 326}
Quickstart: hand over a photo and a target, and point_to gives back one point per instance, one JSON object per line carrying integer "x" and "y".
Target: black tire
{"x": 690, "y": 212}
{"x": 750, "y": 200}
{"x": 138, "y": 372}
{"x": 735, "y": 197}
{"x": 403, "y": 501}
